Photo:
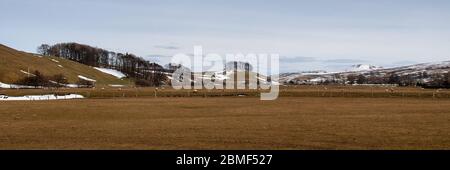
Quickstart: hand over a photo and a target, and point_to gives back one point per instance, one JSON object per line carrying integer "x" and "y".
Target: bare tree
{"x": 43, "y": 49}
{"x": 352, "y": 78}
{"x": 361, "y": 79}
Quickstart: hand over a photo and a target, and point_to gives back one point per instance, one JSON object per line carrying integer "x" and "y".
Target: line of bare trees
{"x": 438, "y": 80}
{"x": 131, "y": 65}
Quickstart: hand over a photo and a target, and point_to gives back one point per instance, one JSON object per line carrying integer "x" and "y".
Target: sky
{"x": 308, "y": 35}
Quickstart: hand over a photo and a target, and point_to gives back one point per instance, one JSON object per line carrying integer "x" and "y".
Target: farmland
{"x": 304, "y": 117}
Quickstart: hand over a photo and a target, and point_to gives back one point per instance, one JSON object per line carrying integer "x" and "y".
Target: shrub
{"x": 59, "y": 80}
{"x": 85, "y": 83}
{"x": 143, "y": 83}
{"x": 36, "y": 80}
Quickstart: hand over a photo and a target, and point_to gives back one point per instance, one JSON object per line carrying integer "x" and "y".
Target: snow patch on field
{"x": 60, "y": 66}
{"x": 112, "y": 72}
{"x": 40, "y": 97}
{"x": 56, "y": 61}
{"x": 5, "y": 86}
{"x": 14, "y": 86}
{"x": 72, "y": 85}
{"x": 116, "y": 85}
{"x": 85, "y": 78}
{"x": 318, "y": 79}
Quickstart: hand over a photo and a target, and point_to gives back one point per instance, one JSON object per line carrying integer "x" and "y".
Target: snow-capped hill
{"x": 433, "y": 65}
{"x": 363, "y": 67}
{"x": 411, "y": 74}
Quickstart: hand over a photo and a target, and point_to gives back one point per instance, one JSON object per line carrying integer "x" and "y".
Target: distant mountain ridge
{"x": 434, "y": 74}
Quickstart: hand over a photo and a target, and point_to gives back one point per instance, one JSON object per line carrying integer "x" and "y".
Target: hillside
{"x": 428, "y": 74}
{"x": 15, "y": 65}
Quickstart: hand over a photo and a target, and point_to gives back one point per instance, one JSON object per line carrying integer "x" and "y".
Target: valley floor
{"x": 226, "y": 123}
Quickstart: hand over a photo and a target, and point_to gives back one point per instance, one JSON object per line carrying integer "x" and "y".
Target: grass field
{"x": 314, "y": 122}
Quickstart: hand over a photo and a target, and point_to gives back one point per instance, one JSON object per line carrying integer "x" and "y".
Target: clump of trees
{"x": 58, "y": 80}
{"x": 35, "y": 80}
{"x": 151, "y": 81}
{"x": 447, "y": 79}
{"x": 439, "y": 81}
{"x": 133, "y": 66}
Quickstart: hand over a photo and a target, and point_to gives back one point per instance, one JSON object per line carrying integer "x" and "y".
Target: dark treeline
{"x": 131, "y": 65}
{"x": 427, "y": 79}
{"x": 436, "y": 80}
{"x": 423, "y": 79}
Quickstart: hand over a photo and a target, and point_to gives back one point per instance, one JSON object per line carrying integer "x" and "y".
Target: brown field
{"x": 363, "y": 121}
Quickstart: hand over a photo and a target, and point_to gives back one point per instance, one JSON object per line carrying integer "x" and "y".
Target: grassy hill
{"x": 14, "y": 65}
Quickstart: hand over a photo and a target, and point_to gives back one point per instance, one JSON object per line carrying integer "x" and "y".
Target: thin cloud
{"x": 157, "y": 58}
{"x": 405, "y": 62}
{"x": 297, "y": 59}
{"x": 167, "y": 47}
{"x": 345, "y": 61}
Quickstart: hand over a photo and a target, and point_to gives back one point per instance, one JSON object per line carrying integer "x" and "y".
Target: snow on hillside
{"x": 363, "y": 67}
{"x": 85, "y": 78}
{"x": 113, "y": 72}
{"x": 27, "y": 73}
{"x": 432, "y": 65}
{"x": 221, "y": 77}
{"x": 40, "y": 97}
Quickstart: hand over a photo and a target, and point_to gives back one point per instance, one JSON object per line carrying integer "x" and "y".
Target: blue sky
{"x": 309, "y": 35}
